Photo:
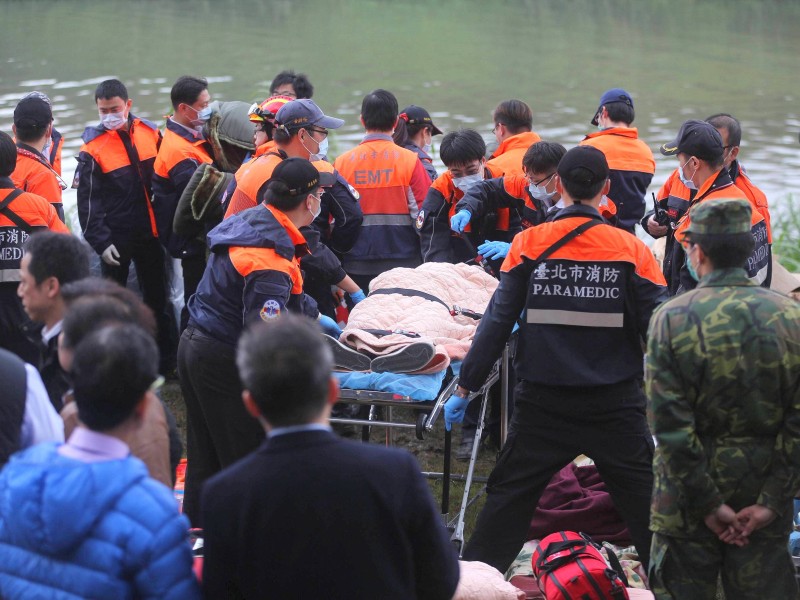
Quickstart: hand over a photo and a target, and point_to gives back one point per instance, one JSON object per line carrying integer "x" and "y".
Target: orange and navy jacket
{"x": 253, "y": 272}
{"x": 249, "y": 178}
{"x": 631, "y": 167}
{"x": 508, "y": 156}
{"x": 756, "y": 197}
{"x": 114, "y": 196}
{"x": 181, "y": 152}
{"x": 759, "y": 265}
{"x": 36, "y": 212}
{"x": 439, "y": 243}
{"x": 586, "y": 307}
{"x": 36, "y": 175}
{"x": 392, "y": 184}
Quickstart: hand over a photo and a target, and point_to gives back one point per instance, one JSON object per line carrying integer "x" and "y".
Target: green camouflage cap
{"x": 719, "y": 217}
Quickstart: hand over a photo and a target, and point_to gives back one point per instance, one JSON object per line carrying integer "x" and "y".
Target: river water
{"x": 679, "y": 59}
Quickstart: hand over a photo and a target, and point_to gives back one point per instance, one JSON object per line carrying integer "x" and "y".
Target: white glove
{"x": 110, "y": 256}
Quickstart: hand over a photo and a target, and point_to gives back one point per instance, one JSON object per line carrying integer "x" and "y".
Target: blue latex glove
{"x": 460, "y": 220}
{"x": 454, "y": 410}
{"x": 495, "y": 250}
{"x": 358, "y": 296}
{"x": 329, "y": 326}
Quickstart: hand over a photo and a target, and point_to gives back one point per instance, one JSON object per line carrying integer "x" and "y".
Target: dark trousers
{"x": 16, "y": 329}
{"x": 219, "y": 430}
{"x": 550, "y": 427}
{"x": 193, "y": 268}
{"x": 147, "y": 256}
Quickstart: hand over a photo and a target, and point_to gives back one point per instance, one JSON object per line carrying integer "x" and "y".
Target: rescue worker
{"x": 33, "y": 126}
{"x": 513, "y": 124}
{"x": 114, "y": 180}
{"x": 699, "y": 150}
{"x": 586, "y": 291}
{"x": 21, "y": 214}
{"x": 294, "y": 85}
{"x": 263, "y": 118}
{"x": 183, "y": 149}
{"x": 301, "y": 130}
{"x": 630, "y": 160}
{"x": 392, "y": 184}
{"x": 253, "y": 272}
{"x": 415, "y": 131}
{"x": 722, "y": 376}
{"x": 464, "y": 154}
{"x": 531, "y": 195}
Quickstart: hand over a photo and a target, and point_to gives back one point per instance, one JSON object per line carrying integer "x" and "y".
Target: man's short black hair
{"x": 90, "y": 313}
{"x": 515, "y": 115}
{"x": 543, "y": 157}
{"x": 8, "y": 155}
{"x": 58, "y": 255}
{"x": 379, "y": 110}
{"x": 582, "y": 191}
{"x": 728, "y": 251}
{"x": 111, "y": 371}
{"x": 730, "y": 124}
{"x": 110, "y": 88}
{"x": 187, "y": 90}
{"x": 302, "y": 86}
{"x": 286, "y": 366}
{"x": 462, "y": 147}
{"x": 620, "y": 112}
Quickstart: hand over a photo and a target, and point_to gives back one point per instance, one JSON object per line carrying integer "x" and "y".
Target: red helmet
{"x": 267, "y": 110}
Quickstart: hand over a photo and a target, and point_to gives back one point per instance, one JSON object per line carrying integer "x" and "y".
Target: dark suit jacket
{"x": 309, "y": 515}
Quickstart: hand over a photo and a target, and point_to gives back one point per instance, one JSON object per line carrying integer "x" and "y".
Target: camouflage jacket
{"x": 723, "y": 379}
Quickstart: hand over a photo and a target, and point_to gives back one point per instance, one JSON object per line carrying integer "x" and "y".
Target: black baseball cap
{"x": 300, "y": 176}
{"x": 416, "y": 115}
{"x": 584, "y": 165}
{"x": 696, "y": 138}
{"x": 33, "y": 111}
{"x": 611, "y": 96}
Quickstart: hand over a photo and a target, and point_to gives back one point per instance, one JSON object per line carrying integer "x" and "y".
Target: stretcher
{"x": 385, "y": 394}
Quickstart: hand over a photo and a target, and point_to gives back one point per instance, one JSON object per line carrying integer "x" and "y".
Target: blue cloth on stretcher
{"x": 416, "y": 387}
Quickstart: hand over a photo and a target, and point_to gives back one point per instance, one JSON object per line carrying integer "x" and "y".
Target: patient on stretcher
{"x": 415, "y": 320}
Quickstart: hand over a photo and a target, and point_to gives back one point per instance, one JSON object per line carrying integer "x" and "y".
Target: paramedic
{"x": 587, "y": 291}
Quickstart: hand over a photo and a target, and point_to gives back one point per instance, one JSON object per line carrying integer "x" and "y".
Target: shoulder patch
{"x": 420, "y": 220}
{"x": 353, "y": 191}
{"x": 270, "y": 310}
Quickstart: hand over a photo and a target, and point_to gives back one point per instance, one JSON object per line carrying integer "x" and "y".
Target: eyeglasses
{"x": 496, "y": 125}
{"x": 541, "y": 181}
{"x": 324, "y": 132}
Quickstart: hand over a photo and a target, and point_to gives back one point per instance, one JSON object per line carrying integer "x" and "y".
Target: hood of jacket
{"x": 256, "y": 227}
{"x": 51, "y": 503}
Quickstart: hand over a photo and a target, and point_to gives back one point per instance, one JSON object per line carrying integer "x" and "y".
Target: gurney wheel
{"x": 421, "y": 418}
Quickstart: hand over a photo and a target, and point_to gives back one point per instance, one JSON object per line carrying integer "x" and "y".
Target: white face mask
{"x": 539, "y": 192}
{"x": 322, "y": 152}
{"x": 427, "y": 149}
{"x": 684, "y": 180}
{"x": 468, "y": 181}
{"x": 314, "y": 215}
{"x": 114, "y": 121}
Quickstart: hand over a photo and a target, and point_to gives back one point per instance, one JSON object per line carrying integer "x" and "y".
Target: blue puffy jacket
{"x": 71, "y": 530}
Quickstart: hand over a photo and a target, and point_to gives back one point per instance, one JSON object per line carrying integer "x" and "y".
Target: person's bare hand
{"x": 655, "y": 229}
{"x": 754, "y": 517}
{"x": 723, "y": 522}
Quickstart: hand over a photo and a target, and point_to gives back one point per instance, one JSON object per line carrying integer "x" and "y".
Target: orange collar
{"x": 265, "y": 147}
{"x": 630, "y": 132}
{"x": 520, "y": 140}
{"x": 294, "y": 233}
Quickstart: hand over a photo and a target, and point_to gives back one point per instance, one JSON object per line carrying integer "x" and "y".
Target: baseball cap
{"x": 583, "y": 164}
{"x": 33, "y": 111}
{"x": 266, "y": 111}
{"x": 696, "y": 138}
{"x": 300, "y": 176}
{"x": 416, "y": 115}
{"x": 719, "y": 217}
{"x": 304, "y": 113}
{"x": 610, "y": 96}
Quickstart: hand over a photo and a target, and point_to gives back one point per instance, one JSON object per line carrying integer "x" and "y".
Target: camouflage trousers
{"x": 687, "y": 569}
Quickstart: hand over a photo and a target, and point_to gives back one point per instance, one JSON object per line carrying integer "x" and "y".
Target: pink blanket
{"x": 463, "y": 285}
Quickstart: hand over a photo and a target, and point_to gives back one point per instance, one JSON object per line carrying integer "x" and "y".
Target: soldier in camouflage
{"x": 723, "y": 378}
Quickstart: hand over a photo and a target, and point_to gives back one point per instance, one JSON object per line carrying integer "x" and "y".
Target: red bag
{"x": 569, "y": 566}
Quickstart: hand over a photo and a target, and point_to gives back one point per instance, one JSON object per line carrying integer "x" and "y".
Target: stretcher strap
{"x": 408, "y": 292}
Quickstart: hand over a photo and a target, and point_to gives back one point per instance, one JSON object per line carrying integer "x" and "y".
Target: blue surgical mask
{"x": 685, "y": 181}
{"x": 114, "y": 121}
{"x": 321, "y": 153}
{"x": 203, "y": 115}
{"x": 689, "y": 266}
{"x": 468, "y": 181}
{"x": 427, "y": 149}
